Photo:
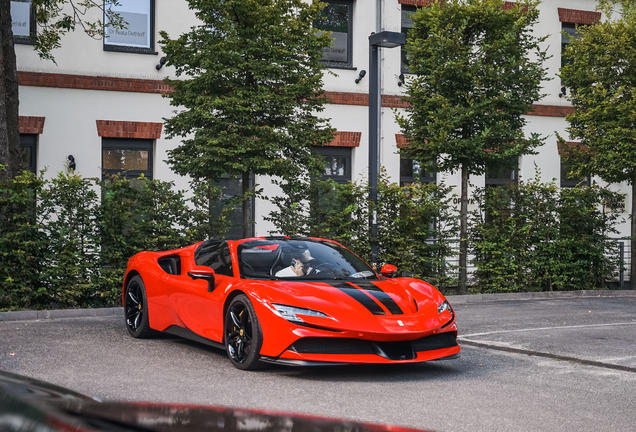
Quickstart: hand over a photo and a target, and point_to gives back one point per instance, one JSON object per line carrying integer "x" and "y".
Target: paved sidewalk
{"x": 454, "y": 300}
{"x": 61, "y": 313}
{"x": 476, "y": 298}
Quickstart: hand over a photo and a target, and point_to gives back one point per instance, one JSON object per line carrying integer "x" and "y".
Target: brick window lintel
{"x": 31, "y": 125}
{"x": 576, "y": 16}
{"x": 128, "y": 129}
{"x": 345, "y": 139}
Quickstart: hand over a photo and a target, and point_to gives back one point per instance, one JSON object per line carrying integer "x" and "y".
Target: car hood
{"x": 401, "y": 305}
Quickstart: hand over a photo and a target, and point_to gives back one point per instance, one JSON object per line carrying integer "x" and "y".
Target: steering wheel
{"x": 321, "y": 267}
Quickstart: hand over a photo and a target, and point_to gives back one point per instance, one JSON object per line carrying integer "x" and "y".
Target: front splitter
{"x": 294, "y": 362}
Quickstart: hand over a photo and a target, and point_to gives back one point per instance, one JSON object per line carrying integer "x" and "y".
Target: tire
{"x": 136, "y": 309}
{"x": 243, "y": 342}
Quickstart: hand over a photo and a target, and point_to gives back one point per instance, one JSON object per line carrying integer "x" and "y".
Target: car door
{"x": 199, "y": 310}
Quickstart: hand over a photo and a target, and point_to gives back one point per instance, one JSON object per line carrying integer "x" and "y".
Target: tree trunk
{"x": 632, "y": 265}
{"x": 463, "y": 241}
{"x": 9, "y": 116}
{"x": 245, "y": 183}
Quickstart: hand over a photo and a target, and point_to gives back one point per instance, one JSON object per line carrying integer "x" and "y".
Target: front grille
{"x": 318, "y": 345}
{"x": 433, "y": 342}
{"x": 404, "y": 350}
{"x": 395, "y": 350}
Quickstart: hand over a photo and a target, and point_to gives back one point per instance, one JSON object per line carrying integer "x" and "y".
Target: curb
{"x": 478, "y": 298}
{"x": 454, "y": 299}
{"x": 60, "y": 313}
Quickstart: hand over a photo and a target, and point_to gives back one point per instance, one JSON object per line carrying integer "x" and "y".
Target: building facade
{"x": 102, "y": 102}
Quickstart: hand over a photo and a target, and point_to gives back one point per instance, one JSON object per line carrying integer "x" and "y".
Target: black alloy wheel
{"x": 135, "y": 309}
{"x": 243, "y": 336}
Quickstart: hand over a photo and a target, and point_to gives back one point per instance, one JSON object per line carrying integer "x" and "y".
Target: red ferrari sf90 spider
{"x": 292, "y": 301}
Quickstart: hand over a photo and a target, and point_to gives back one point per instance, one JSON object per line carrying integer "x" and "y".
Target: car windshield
{"x": 300, "y": 259}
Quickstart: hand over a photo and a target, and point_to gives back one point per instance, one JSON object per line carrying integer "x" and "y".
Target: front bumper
{"x": 317, "y": 350}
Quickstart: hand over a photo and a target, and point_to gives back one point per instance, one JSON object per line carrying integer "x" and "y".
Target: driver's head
{"x": 300, "y": 261}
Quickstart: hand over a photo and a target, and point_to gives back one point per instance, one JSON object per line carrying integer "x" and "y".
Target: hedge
{"x": 65, "y": 242}
{"x": 534, "y": 236}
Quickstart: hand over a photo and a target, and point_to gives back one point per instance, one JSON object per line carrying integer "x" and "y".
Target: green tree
{"x": 601, "y": 79}
{"x": 478, "y": 69}
{"x": 252, "y": 87}
{"x": 54, "y": 19}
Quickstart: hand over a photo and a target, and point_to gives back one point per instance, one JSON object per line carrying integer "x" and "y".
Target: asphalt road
{"x": 487, "y": 389}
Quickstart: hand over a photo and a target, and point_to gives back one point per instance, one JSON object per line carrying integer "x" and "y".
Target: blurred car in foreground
{"x": 29, "y": 405}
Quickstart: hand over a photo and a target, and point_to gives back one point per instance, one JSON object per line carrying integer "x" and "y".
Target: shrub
{"x": 22, "y": 241}
{"x": 533, "y": 236}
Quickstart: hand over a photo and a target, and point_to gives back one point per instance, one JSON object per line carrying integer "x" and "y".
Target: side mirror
{"x": 203, "y": 272}
{"x": 389, "y": 271}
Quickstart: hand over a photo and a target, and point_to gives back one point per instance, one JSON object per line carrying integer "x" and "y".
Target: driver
{"x": 299, "y": 265}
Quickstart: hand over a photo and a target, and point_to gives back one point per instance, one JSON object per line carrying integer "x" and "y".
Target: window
{"x": 336, "y": 17}
{"x": 29, "y": 152}
{"x": 568, "y": 181}
{"x": 22, "y": 21}
{"x": 133, "y": 157}
{"x": 570, "y": 30}
{"x": 216, "y": 255}
{"x": 230, "y": 187}
{"x": 413, "y": 171}
{"x": 407, "y": 24}
{"x": 337, "y": 163}
{"x": 138, "y": 36}
{"x": 501, "y": 175}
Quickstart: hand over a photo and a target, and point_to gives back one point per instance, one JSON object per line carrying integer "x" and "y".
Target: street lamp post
{"x": 384, "y": 39}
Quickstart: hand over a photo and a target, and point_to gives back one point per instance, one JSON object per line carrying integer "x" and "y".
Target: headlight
{"x": 290, "y": 313}
{"x": 445, "y": 306}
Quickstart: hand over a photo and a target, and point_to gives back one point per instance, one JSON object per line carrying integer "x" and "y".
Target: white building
{"x": 104, "y": 97}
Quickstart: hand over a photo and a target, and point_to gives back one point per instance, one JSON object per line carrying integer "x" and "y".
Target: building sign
{"x": 335, "y": 19}
{"x": 338, "y": 51}
{"x": 136, "y": 32}
{"x": 21, "y": 18}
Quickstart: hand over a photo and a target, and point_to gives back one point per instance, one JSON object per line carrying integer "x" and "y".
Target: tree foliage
{"x": 478, "y": 70}
{"x": 250, "y": 90}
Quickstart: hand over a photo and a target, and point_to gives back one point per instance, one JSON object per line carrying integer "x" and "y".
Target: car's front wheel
{"x": 243, "y": 336}
{"x": 136, "y": 309}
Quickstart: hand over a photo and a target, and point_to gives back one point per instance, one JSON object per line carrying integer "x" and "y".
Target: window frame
{"x": 349, "y": 63}
{"x": 33, "y": 167}
{"x": 129, "y": 144}
{"x": 133, "y": 50}
{"x": 26, "y": 40}
{"x": 331, "y": 151}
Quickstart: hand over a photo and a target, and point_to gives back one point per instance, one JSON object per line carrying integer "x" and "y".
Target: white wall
{"x": 70, "y": 113}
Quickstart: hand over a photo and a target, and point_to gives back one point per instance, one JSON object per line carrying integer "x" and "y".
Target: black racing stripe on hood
{"x": 355, "y": 293}
{"x": 381, "y": 296}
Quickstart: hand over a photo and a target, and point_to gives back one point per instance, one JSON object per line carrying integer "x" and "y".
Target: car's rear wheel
{"x": 136, "y": 309}
{"x": 243, "y": 335}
